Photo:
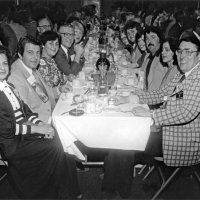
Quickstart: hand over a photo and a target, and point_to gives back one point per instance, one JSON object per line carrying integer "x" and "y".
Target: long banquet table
{"x": 108, "y": 129}
{"x": 111, "y": 128}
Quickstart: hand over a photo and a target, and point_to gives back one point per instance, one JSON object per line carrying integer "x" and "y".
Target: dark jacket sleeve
{"x": 6, "y": 123}
{"x": 64, "y": 66}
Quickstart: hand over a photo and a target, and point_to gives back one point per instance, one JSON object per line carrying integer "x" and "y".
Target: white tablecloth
{"x": 113, "y": 129}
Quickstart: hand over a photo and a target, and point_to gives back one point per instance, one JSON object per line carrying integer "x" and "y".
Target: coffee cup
{"x": 82, "y": 75}
{"x": 90, "y": 107}
{"x": 130, "y": 81}
{"x": 124, "y": 72}
{"x": 76, "y": 83}
{"x": 68, "y": 97}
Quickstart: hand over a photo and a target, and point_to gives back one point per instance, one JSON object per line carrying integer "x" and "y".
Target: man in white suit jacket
{"x": 21, "y": 74}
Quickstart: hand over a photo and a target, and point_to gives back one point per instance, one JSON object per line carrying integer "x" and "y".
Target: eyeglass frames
{"x": 185, "y": 51}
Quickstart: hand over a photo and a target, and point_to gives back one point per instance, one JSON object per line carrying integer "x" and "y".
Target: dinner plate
{"x": 127, "y": 84}
{"x": 79, "y": 86}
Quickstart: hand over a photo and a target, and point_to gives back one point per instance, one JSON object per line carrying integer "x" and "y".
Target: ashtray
{"x": 76, "y": 112}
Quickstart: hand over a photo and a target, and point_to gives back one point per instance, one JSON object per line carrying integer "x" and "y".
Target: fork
{"x": 65, "y": 112}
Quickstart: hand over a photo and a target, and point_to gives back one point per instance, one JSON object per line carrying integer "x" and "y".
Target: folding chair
{"x": 89, "y": 163}
{"x": 192, "y": 170}
{"x": 3, "y": 164}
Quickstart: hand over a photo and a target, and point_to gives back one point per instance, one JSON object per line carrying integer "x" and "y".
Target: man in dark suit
{"x": 67, "y": 64}
{"x": 178, "y": 27}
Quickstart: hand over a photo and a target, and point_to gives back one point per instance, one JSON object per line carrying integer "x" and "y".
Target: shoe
{"x": 85, "y": 169}
{"x": 80, "y": 196}
{"x": 101, "y": 176}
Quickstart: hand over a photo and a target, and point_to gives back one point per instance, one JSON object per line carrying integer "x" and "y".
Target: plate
{"x": 76, "y": 112}
{"x": 129, "y": 84}
{"x": 80, "y": 86}
{"x": 124, "y": 94}
{"x": 111, "y": 108}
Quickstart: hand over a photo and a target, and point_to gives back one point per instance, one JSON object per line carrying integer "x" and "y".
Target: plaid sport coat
{"x": 179, "y": 119}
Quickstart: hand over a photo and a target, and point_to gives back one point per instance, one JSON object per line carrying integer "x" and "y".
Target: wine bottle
{"x": 103, "y": 61}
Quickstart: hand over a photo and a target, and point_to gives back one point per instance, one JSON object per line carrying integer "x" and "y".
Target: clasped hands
{"x": 44, "y": 129}
{"x": 65, "y": 88}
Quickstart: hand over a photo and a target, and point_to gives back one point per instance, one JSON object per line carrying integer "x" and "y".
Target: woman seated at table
{"x": 79, "y": 31}
{"x": 168, "y": 58}
{"x": 130, "y": 30}
{"x": 48, "y": 68}
{"x": 37, "y": 164}
{"x": 139, "y": 39}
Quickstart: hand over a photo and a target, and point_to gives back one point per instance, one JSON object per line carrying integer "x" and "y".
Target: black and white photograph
{"x": 100, "y": 99}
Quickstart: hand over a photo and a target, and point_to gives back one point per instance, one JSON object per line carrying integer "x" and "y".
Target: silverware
{"x": 65, "y": 112}
{"x": 88, "y": 90}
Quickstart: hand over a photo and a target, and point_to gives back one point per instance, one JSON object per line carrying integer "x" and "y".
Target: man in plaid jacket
{"x": 179, "y": 116}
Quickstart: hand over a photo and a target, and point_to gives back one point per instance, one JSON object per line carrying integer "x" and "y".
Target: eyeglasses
{"x": 67, "y": 34}
{"x": 45, "y": 26}
{"x": 185, "y": 51}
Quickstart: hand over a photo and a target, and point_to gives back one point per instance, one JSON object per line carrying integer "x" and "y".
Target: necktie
{"x": 69, "y": 57}
{"x": 151, "y": 57}
{"x": 39, "y": 88}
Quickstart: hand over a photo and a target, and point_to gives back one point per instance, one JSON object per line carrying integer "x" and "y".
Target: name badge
{"x": 179, "y": 95}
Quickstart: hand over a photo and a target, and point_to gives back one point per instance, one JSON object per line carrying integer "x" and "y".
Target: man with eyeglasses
{"x": 43, "y": 24}
{"x": 64, "y": 61}
{"x": 178, "y": 120}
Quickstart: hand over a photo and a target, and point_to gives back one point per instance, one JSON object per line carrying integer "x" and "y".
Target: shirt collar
{"x": 189, "y": 72}
{"x": 64, "y": 49}
{"x": 155, "y": 55}
{"x": 30, "y": 71}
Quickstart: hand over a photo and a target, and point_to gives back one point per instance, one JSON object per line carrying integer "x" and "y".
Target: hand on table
{"x": 141, "y": 111}
{"x": 155, "y": 128}
{"x": 121, "y": 100}
{"x": 133, "y": 98}
{"x": 71, "y": 77}
{"x": 65, "y": 88}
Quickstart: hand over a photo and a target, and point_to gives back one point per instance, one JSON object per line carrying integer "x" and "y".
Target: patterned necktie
{"x": 39, "y": 88}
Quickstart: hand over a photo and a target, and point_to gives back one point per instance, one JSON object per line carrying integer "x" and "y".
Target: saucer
{"x": 129, "y": 84}
{"x": 76, "y": 112}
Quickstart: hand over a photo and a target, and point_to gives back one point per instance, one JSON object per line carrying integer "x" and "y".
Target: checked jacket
{"x": 179, "y": 119}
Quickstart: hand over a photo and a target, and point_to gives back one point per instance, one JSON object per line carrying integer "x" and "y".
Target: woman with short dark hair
{"x": 50, "y": 41}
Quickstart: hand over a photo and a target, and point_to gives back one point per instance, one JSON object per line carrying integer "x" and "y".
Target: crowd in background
{"x": 29, "y": 19}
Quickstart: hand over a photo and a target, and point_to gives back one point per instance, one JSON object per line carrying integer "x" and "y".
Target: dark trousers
{"x": 119, "y": 165}
{"x": 39, "y": 168}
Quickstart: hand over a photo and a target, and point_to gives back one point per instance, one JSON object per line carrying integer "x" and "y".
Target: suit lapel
{"x": 21, "y": 68}
{"x": 64, "y": 54}
{"x": 153, "y": 66}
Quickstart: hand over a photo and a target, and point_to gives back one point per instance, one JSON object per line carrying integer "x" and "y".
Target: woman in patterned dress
{"x": 48, "y": 68}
